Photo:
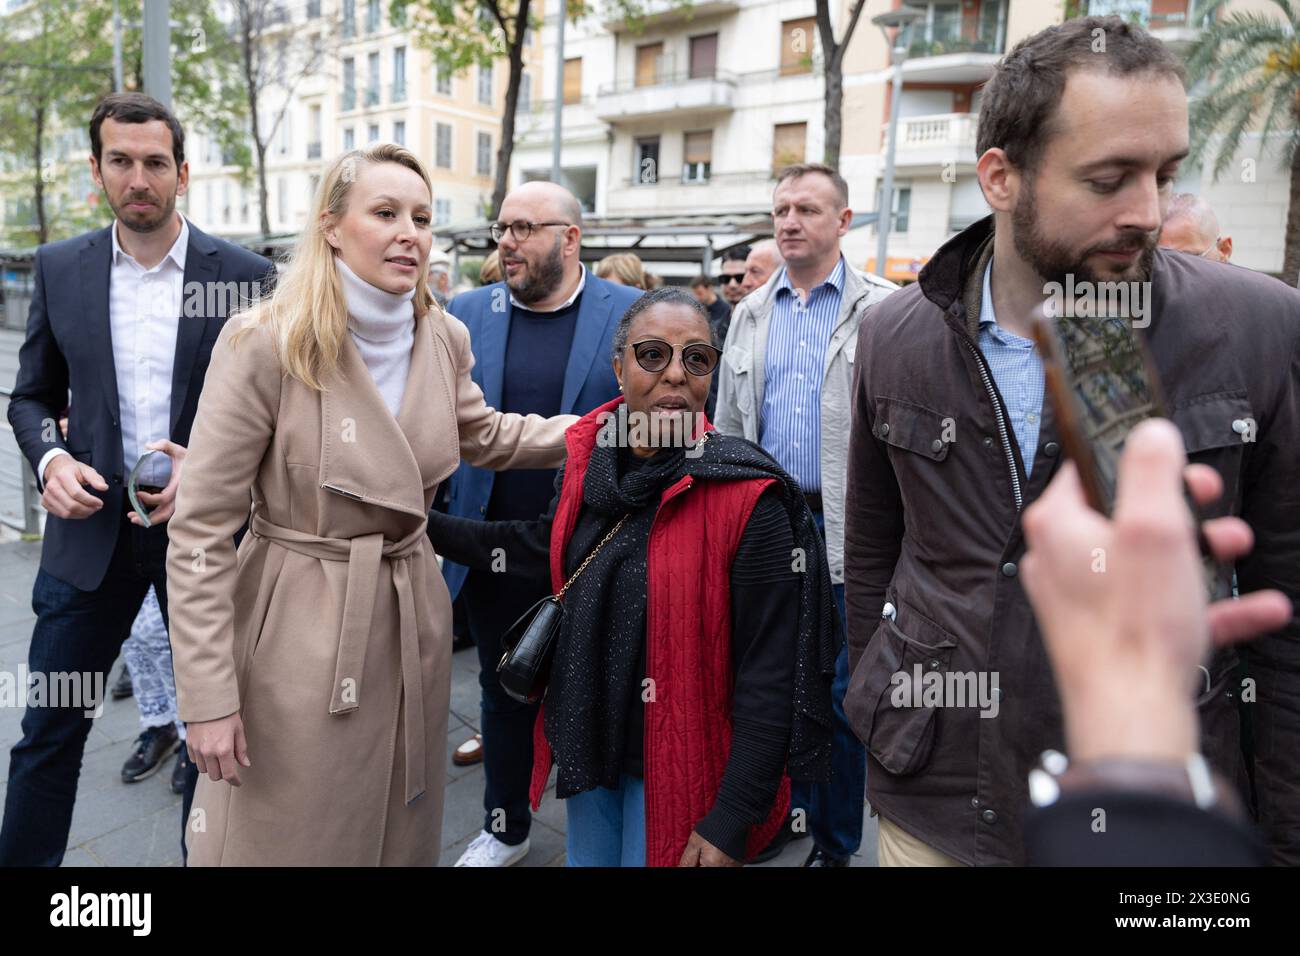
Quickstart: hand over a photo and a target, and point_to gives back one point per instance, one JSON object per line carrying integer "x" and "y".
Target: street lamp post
{"x": 898, "y": 19}
{"x": 557, "y": 133}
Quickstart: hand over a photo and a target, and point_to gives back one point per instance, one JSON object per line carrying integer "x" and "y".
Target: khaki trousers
{"x": 897, "y": 847}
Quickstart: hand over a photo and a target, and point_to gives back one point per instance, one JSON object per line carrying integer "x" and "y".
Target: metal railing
{"x": 17, "y": 483}
{"x": 665, "y": 79}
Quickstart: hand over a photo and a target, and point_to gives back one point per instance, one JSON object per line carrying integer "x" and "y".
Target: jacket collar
{"x": 367, "y": 454}
{"x": 952, "y": 277}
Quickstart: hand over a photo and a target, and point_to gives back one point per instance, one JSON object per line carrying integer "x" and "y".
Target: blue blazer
{"x": 588, "y": 378}
{"x": 69, "y": 348}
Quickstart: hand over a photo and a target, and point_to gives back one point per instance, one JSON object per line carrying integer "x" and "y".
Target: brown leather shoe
{"x": 468, "y": 753}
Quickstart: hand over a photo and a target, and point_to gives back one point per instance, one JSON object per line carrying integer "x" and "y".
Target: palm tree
{"x": 1249, "y": 63}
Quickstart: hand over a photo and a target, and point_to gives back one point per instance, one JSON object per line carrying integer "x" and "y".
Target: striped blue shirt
{"x": 1018, "y": 373}
{"x": 789, "y": 423}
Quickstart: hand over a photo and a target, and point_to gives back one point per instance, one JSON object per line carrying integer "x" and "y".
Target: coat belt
{"x": 363, "y": 555}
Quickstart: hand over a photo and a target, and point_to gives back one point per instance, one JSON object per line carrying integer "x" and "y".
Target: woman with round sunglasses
{"x": 691, "y": 676}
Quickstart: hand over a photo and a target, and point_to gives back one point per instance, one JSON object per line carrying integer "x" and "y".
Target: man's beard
{"x": 166, "y": 210}
{"x": 1053, "y": 261}
{"x": 541, "y": 279}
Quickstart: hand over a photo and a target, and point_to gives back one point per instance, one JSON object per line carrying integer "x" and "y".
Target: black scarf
{"x": 595, "y": 675}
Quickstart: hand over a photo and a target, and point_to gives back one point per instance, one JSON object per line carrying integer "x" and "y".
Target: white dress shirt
{"x": 144, "y": 308}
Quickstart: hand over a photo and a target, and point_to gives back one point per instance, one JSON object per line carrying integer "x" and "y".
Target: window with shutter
{"x": 788, "y": 145}
{"x": 797, "y": 45}
{"x": 648, "y": 57}
{"x": 573, "y": 80}
{"x": 697, "y": 156}
{"x": 704, "y": 56}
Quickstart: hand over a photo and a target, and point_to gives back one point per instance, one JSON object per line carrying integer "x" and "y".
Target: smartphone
{"x": 1102, "y": 382}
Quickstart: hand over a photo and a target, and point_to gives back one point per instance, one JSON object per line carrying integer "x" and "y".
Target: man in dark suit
{"x": 543, "y": 343}
{"x": 124, "y": 318}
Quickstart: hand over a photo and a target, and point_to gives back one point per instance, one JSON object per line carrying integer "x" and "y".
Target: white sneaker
{"x": 487, "y": 850}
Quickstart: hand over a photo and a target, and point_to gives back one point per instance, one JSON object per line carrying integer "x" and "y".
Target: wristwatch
{"x": 1191, "y": 780}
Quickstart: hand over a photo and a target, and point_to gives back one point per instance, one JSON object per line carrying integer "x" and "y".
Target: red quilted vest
{"x": 693, "y": 540}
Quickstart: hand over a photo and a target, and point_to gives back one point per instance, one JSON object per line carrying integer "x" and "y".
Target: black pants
{"x": 492, "y": 603}
{"x": 77, "y": 632}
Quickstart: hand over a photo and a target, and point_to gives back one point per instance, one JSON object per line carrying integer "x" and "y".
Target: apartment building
{"x": 688, "y": 112}
{"x": 371, "y": 83}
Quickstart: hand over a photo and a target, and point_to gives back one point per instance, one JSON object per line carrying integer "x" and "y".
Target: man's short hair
{"x": 738, "y": 254}
{"x": 1021, "y": 100}
{"x": 830, "y": 172}
{"x": 134, "y": 108}
{"x": 702, "y": 280}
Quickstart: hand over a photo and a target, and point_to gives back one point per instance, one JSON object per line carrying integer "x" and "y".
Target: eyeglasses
{"x": 729, "y": 277}
{"x": 521, "y": 229}
{"x": 654, "y": 355}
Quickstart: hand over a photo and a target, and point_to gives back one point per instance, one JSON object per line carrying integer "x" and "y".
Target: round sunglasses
{"x": 654, "y": 355}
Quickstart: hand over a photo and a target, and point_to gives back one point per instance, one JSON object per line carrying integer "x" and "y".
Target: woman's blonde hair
{"x": 307, "y": 312}
{"x": 491, "y": 270}
{"x": 624, "y": 267}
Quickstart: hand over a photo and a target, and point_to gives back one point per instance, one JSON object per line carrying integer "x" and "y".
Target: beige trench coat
{"x": 330, "y": 630}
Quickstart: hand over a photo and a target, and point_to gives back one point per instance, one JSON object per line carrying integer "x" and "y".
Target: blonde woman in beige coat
{"x": 313, "y": 667}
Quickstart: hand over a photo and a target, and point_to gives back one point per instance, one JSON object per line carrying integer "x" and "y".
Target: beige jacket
{"x": 330, "y": 630}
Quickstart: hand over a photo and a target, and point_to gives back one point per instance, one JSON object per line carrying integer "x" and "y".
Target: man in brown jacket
{"x": 1082, "y": 129}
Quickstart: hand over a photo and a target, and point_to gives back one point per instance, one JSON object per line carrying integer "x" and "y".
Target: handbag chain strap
{"x": 595, "y": 551}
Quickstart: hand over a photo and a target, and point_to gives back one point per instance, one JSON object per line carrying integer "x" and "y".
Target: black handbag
{"x": 525, "y": 667}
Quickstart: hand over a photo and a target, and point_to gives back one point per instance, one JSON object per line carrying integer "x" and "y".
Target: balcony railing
{"x": 920, "y": 47}
{"x": 372, "y": 96}
{"x": 941, "y": 137}
{"x": 348, "y": 100}
{"x": 313, "y": 150}
{"x": 397, "y": 93}
{"x": 678, "y": 93}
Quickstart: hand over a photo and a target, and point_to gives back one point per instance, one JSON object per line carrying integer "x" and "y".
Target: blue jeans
{"x": 607, "y": 827}
{"x": 76, "y": 631}
{"x": 835, "y": 808}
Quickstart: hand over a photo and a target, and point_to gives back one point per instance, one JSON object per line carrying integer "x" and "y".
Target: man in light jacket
{"x": 784, "y": 382}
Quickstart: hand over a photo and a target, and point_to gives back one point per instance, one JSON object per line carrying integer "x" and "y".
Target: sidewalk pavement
{"x": 117, "y": 824}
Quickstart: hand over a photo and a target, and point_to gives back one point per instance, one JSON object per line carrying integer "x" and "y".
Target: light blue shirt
{"x": 789, "y": 423}
{"x": 1018, "y": 373}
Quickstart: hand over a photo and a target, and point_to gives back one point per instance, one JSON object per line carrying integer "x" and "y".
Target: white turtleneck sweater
{"x": 383, "y": 327}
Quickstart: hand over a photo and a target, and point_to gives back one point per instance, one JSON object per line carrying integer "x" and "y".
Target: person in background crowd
{"x": 785, "y": 384}
{"x": 440, "y": 278}
{"x": 719, "y": 319}
{"x": 635, "y": 684}
{"x": 732, "y": 274}
{"x": 105, "y": 323}
{"x": 622, "y": 268}
{"x": 1122, "y": 646}
{"x": 763, "y": 260}
{"x": 148, "y": 656}
{"x": 719, "y": 311}
{"x": 314, "y": 667}
{"x": 1191, "y": 226}
{"x": 538, "y": 341}
{"x": 490, "y": 271}
{"x": 653, "y": 281}
{"x": 951, "y": 441}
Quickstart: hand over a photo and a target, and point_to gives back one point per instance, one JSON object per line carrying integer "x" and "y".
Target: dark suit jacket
{"x": 69, "y": 347}
{"x": 588, "y": 378}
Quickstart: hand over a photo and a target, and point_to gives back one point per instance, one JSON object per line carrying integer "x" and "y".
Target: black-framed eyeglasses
{"x": 728, "y": 277}
{"x": 521, "y": 229}
{"x": 654, "y": 355}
